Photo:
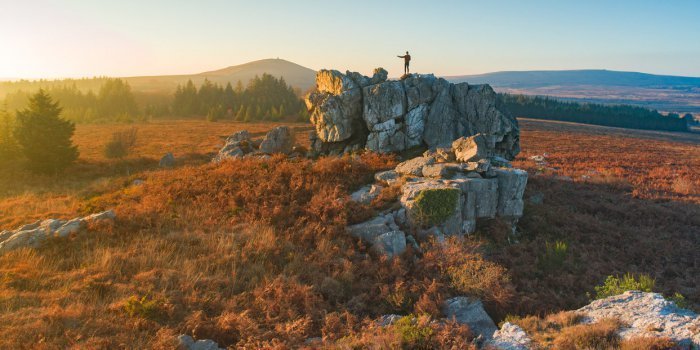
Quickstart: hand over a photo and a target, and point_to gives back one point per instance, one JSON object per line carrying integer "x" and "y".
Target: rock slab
{"x": 647, "y": 315}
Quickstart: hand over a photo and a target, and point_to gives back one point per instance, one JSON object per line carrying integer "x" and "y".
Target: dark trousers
{"x": 405, "y": 68}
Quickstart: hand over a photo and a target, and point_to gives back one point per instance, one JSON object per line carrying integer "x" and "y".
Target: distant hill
{"x": 297, "y": 76}
{"x": 598, "y": 77}
{"x": 662, "y": 92}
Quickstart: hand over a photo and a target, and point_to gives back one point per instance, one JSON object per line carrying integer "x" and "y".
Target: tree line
{"x": 264, "y": 98}
{"x": 114, "y": 101}
{"x": 624, "y": 116}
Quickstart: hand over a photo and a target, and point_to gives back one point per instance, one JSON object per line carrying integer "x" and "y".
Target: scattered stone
{"x": 137, "y": 182}
{"x": 414, "y": 166}
{"x": 32, "y": 235}
{"x": 441, "y": 155}
{"x": 440, "y": 170}
{"x": 278, "y": 140}
{"x": 510, "y": 337}
{"x": 388, "y": 177}
{"x": 185, "y": 342}
{"x": 388, "y": 320}
{"x": 382, "y": 233}
{"x": 168, "y": 161}
{"x": 69, "y": 227}
{"x": 472, "y": 149}
{"x": 239, "y": 136}
{"x": 647, "y": 315}
{"x": 471, "y": 312}
{"x": 366, "y": 194}
{"x": 391, "y": 243}
{"x": 105, "y": 215}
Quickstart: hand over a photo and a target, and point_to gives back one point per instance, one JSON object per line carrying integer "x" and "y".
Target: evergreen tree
{"x": 248, "y": 115}
{"x": 9, "y": 149}
{"x": 44, "y": 137}
{"x": 240, "y": 115}
{"x": 116, "y": 100}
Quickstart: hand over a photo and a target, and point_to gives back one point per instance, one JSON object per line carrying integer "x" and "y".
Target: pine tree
{"x": 44, "y": 137}
{"x": 240, "y": 114}
{"x": 248, "y": 115}
{"x": 9, "y": 149}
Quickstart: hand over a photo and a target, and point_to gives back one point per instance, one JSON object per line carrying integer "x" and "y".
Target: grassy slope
{"x": 178, "y": 259}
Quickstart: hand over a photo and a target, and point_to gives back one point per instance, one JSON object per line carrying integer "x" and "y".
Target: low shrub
{"x": 554, "y": 256}
{"x": 597, "y": 336}
{"x": 615, "y": 285}
{"x": 648, "y": 343}
{"x": 121, "y": 144}
{"x": 144, "y": 307}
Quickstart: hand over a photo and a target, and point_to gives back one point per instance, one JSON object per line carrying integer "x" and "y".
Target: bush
{"x": 601, "y": 335}
{"x": 614, "y": 285}
{"x": 44, "y": 137}
{"x": 554, "y": 256}
{"x": 434, "y": 206}
{"x": 144, "y": 307}
{"x": 414, "y": 331}
{"x": 121, "y": 144}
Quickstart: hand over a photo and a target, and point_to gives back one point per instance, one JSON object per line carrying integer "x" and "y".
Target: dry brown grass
{"x": 252, "y": 253}
{"x": 26, "y": 197}
{"x": 625, "y": 218}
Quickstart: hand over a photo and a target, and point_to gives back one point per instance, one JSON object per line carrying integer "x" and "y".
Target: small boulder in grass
{"x": 168, "y": 161}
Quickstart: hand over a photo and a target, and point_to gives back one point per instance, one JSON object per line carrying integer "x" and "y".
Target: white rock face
{"x": 471, "y": 312}
{"x": 511, "y": 184}
{"x": 32, "y": 235}
{"x": 510, "y": 337}
{"x": 647, "y": 315}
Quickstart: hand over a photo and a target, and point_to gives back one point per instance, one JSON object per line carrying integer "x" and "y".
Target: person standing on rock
{"x": 406, "y": 61}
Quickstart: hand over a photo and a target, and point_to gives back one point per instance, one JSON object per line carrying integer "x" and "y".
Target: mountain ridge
{"x": 600, "y": 77}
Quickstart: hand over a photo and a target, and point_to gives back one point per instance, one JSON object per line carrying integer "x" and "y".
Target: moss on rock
{"x": 434, "y": 206}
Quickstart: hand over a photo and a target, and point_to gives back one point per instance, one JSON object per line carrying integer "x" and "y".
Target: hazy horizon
{"x": 69, "y": 39}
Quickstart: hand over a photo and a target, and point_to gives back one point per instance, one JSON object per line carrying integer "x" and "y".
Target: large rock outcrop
{"x": 441, "y": 196}
{"x": 351, "y": 111}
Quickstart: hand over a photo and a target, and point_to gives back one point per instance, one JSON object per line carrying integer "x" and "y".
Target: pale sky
{"x": 72, "y": 38}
